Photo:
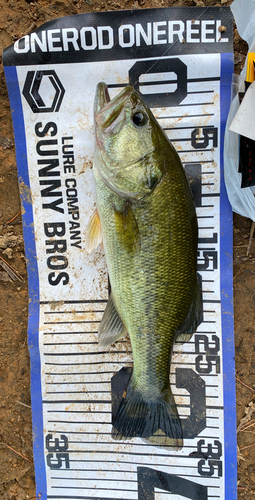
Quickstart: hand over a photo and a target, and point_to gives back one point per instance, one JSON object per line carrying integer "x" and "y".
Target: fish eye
{"x": 139, "y": 118}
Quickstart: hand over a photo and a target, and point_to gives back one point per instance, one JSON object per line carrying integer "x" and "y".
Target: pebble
{"x": 8, "y": 251}
{"x": 222, "y": 28}
{"x": 238, "y": 58}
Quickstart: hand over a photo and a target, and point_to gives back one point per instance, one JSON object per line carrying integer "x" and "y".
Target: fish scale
{"x": 149, "y": 231}
{"x": 145, "y": 304}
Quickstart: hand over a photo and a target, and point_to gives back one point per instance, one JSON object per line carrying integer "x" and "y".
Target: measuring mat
{"x": 181, "y": 61}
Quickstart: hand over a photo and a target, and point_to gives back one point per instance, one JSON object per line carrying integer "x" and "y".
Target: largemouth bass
{"x": 147, "y": 220}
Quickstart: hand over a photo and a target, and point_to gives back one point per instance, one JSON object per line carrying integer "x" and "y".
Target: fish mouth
{"x": 106, "y": 110}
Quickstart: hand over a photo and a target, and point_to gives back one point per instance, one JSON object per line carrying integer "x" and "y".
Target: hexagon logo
{"x": 43, "y": 91}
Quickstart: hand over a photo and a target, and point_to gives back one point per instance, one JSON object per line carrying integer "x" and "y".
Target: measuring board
{"x": 182, "y": 64}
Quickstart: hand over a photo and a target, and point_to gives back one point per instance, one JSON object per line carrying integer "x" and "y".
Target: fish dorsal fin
{"x": 111, "y": 327}
{"x": 193, "y": 319}
{"x": 127, "y": 228}
{"x": 93, "y": 233}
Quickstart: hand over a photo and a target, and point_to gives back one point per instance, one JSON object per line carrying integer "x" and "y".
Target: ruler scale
{"x": 76, "y": 384}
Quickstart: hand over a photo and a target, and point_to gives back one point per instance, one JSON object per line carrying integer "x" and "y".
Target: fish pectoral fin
{"x": 127, "y": 228}
{"x": 111, "y": 327}
{"x": 194, "y": 317}
{"x": 93, "y": 233}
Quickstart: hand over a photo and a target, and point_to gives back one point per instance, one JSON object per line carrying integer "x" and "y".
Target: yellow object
{"x": 250, "y": 75}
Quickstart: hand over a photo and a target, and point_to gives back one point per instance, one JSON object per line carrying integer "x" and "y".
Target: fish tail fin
{"x": 156, "y": 421}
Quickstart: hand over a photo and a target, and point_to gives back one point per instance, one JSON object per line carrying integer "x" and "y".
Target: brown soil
{"x": 16, "y": 455}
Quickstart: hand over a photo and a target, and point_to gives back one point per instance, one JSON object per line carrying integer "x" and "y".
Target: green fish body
{"x": 149, "y": 231}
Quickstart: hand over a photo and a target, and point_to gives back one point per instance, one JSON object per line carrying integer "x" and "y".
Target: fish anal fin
{"x": 193, "y": 318}
{"x": 127, "y": 228}
{"x": 111, "y": 327}
{"x": 93, "y": 233}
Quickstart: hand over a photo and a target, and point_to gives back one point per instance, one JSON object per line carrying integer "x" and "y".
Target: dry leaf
{"x": 248, "y": 411}
{"x": 239, "y": 455}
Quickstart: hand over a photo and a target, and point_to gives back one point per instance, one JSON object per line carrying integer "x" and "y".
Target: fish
{"x": 146, "y": 219}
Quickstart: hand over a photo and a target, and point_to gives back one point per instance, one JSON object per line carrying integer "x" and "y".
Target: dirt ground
{"x": 18, "y": 17}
